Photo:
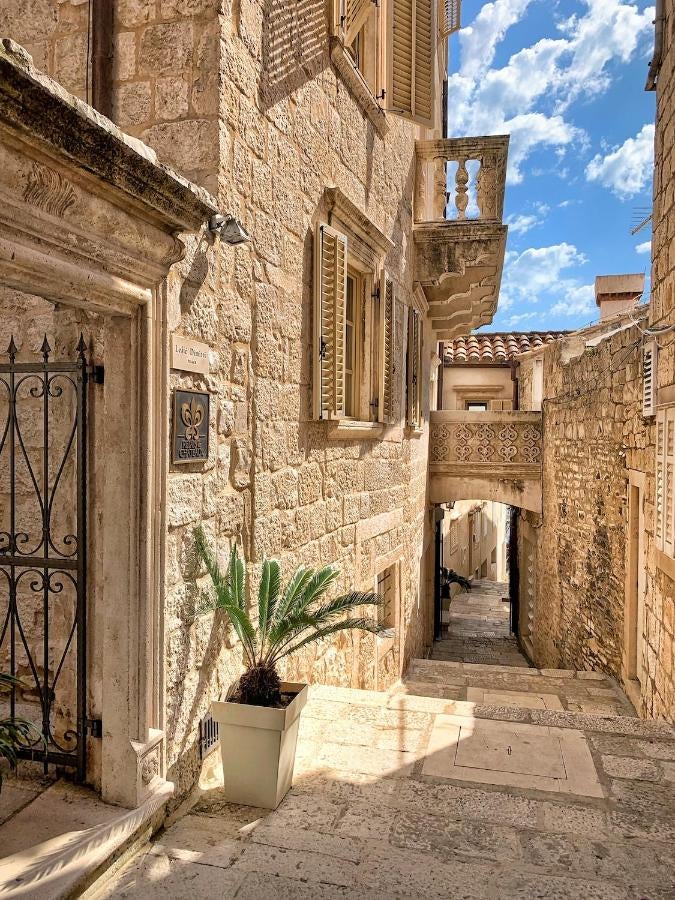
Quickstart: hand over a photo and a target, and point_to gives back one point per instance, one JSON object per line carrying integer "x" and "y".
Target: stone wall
{"x": 242, "y": 97}
{"x": 659, "y": 699}
{"x": 573, "y": 559}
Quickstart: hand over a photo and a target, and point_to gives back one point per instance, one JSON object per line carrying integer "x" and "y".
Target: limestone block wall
{"x": 242, "y": 97}
{"x": 575, "y": 554}
{"x": 660, "y": 698}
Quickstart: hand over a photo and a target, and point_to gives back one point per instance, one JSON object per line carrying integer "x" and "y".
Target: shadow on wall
{"x": 295, "y": 47}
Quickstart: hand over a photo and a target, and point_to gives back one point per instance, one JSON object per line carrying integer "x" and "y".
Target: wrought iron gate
{"x": 43, "y": 544}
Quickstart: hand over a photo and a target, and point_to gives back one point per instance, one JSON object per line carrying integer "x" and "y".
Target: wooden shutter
{"x": 330, "y": 290}
{"x": 451, "y": 15}
{"x": 660, "y": 479}
{"x": 414, "y": 368}
{"x": 386, "y": 357}
{"x": 649, "y": 360}
{"x": 411, "y": 72}
{"x": 353, "y": 15}
{"x": 669, "y": 483}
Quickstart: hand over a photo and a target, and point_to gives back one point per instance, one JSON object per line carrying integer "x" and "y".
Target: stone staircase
{"x": 465, "y": 780}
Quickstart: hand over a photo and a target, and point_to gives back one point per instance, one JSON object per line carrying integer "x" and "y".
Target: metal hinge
{"x": 323, "y": 349}
{"x": 94, "y": 727}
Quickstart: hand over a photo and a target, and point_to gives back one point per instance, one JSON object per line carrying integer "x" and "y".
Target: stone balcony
{"x": 486, "y": 456}
{"x": 459, "y": 235}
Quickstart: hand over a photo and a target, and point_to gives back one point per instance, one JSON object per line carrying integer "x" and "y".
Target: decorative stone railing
{"x": 460, "y": 239}
{"x": 438, "y": 200}
{"x": 486, "y": 455}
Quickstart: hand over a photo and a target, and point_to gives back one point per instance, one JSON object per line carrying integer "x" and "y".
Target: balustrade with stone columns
{"x": 486, "y": 455}
{"x": 459, "y": 234}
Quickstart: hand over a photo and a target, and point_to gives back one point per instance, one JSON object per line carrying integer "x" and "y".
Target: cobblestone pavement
{"x": 478, "y": 628}
{"x": 398, "y": 795}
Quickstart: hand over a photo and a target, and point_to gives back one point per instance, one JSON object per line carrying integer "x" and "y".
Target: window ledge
{"x": 352, "y": 429}
{"x": 665, "y": 563}
{"x": 358, "y": 86}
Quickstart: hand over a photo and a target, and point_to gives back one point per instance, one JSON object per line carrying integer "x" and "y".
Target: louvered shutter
{"x": 386, "y": 349}
{"x": 649, "y": 360}
{"x": 414, "y": 368}
{"x": 669, "y": 483}
{"x": 353, "y": 15}
{"x": 660, "y": 479}
{"x": 451, "y": 14}
{"x": 410, "y": 69}
{"x": 330, "y": 287}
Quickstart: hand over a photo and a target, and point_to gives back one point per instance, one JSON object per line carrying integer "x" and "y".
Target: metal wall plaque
{"x": 188, "y": 355}
{"x": 190, "y": 426}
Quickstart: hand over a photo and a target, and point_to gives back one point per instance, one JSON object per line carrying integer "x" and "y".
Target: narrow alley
{"x": 518, "y": 794}
{"x": 478, "y": 628}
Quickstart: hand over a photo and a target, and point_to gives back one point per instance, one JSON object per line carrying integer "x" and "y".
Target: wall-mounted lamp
{"x": 230, "y": 230}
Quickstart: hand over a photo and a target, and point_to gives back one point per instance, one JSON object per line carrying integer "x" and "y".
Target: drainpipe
{"x": 102, "y": 28}
{"x": 514, "y": 379}
{"x": 655, "y": 64}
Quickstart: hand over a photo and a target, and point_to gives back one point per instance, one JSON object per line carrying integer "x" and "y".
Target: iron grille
{"x": 43, "y": 543}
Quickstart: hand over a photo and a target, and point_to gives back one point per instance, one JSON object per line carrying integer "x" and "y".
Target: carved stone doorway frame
{"x": 89, "y": 219}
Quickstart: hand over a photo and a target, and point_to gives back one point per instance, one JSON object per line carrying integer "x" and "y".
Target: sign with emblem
{"x": 189, "y": 356}
{"x": 190, "y": 426}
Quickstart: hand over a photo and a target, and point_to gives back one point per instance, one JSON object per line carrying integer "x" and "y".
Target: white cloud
{"x": 522, "y": 224}
{"x": 528, "y": 97}
{"x": 518, "y": 319}
{"x": 540, "y": 276}
{"x": 644, "y": 248}
{"x": 577, "y": 301}
{"x": 626, "y": 170}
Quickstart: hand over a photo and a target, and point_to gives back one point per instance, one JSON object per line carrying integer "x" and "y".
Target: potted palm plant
{"x": 258, "y": 720}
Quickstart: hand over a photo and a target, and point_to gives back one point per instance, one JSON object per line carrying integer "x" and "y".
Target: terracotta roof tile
{"x": 488, "y": 348}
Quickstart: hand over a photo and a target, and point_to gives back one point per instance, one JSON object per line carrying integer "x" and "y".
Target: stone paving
{"x": 478, "y": 628}
{"x": 399, "y": 795}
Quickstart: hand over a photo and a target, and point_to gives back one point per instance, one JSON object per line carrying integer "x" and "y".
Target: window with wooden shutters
{"x": 414, "y": 368}
{"x": 649, "y": 361}
{"x": 451, "y": 14}
{"x": 330, "y": 286}
{"x": 386, "y": 356}
{"x": 411, "y": 46}
{"x": 664, "y": 528}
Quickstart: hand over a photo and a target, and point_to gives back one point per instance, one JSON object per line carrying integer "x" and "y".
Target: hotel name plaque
{"x": 188, "y": 355}
{"x": 190, "y": 435}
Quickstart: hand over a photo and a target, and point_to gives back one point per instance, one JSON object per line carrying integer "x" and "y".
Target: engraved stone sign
{"x": 190, "y": 426}
{"x": 188, "y": 355}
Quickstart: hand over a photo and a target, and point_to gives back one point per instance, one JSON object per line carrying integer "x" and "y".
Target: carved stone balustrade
{"x": 486, "y": 456}
{"x": 459, "y": 235}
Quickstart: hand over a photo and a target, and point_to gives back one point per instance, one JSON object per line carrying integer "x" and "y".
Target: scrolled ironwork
{"x": 43, "y": 549}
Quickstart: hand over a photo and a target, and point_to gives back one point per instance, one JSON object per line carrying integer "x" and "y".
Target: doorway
{"x": 636, "y": 585}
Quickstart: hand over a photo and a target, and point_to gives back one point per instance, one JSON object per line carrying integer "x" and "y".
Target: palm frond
{"x": 294, "y": 588}
{"x": 360, "y": 624}
{"x": 268, "y": 593}
{"x": 343, "y": 603}
{"x": 229, "y": 592}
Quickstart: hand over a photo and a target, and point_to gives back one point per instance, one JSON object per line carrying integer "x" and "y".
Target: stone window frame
{"x": 366, "y": 249}
{"x": 386, "y": 641}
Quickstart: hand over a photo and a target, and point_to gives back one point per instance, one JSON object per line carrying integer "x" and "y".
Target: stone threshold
{"x": 68, "y": 864}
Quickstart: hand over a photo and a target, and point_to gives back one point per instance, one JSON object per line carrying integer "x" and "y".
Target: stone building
{"x": 314, "y": 342}
{"x": 607, "y": 601}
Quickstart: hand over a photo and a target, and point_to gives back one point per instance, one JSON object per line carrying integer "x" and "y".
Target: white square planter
{"x": 257, "y": 746}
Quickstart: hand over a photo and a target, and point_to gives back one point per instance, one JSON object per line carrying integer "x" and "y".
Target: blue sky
{"x": 566, "y": 79}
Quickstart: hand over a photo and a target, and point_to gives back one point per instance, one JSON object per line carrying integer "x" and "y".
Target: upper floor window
{"x": 392, "y": 45}
{"x": 354, "y": 333}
